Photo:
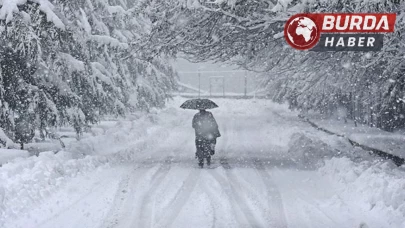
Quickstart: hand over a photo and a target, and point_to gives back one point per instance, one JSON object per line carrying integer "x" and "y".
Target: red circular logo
{"x": 301, "y": 32}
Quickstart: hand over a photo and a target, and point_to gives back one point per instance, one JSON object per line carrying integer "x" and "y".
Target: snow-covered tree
{"x": 250, "y": 33}
{"x": 69, "y": 62}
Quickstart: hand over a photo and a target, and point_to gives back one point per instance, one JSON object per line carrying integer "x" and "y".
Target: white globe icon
{"x": 302, "y": 31}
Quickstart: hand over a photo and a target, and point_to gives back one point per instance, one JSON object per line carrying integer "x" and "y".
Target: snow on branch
{"x": 5, "y": 140}
{"x": 71, "y": 62}
{"x": 108, "y": 40}
{"x": 9, "y": 7}
{"x": 116, "y": 9}
{"x": 101, "y": 73}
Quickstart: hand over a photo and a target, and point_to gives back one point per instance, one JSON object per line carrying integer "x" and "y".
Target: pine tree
{"x": 69, "y": 63}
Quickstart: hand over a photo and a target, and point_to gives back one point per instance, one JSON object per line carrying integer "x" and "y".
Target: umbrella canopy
{"x": 199, "y": 104}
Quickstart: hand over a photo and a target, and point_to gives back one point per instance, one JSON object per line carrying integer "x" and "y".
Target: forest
{"x": 367, "y": 86}
{"x": 72, "y": 62}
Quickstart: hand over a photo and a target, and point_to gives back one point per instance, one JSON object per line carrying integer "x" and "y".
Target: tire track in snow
{"x": 211, "y": 197}
{"x": 146, "y": 210}
{"x": 276, "y": 217}
{"x": 123, "y": 210}
{"x": 143, "y": 215}
{"x": 181, "y": 198}
{"x": 121, "y": 198}
{"x": 277, "y": 214}
{"x": 123, "y": 193}
{"x": 235, "y": 198}
{"x": 95, "y": 187}
{"x": 228, "y": 191}
{"x": 234, "y": 193}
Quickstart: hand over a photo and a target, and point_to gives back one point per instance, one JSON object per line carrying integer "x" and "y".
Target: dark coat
{"x": 205, "y": 126}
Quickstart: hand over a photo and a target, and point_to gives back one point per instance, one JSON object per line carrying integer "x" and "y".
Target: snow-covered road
{"x": 256, "y": 180}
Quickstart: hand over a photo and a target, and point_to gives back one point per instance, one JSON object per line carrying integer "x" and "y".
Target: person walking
{"x": 206, "y": 134}
{"x": 206, "y": 128}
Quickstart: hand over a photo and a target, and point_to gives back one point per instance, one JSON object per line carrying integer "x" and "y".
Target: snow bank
{"x": 124, "y": 136}
{"x": 25, "y": 182}
{"x": 389, "y": 142}
{"x": 376, "y": 187}
{"x": 10, "y": 154}
{"x": 360, "y": 180}
{"x": 308, "y": 151}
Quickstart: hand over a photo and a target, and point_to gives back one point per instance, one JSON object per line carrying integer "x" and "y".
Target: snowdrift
{"x": 25, "y": 182}
{"x": 10, "y": 154}
{"x": 377, "y": 187}
{"x": 307, "y": 151}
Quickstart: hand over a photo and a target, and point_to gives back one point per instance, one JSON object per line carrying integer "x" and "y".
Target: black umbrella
{"x": 199, "y": 104}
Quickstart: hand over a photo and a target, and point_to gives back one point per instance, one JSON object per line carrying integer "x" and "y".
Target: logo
{"x": 302, "y": 32}
{"x": 338, "y": 32}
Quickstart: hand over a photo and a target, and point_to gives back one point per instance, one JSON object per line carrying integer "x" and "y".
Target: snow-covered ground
{"x": 10, "y": 154}
{"x": 390, "y": 142}
{"x": 270, "y": 170}
{"x": 66, "y": 136}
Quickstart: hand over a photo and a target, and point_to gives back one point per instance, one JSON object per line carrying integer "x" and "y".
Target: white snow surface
{"x": 390, "y": 142}
{"x": 10, "y": 154}
{"x": 270, "y": 170}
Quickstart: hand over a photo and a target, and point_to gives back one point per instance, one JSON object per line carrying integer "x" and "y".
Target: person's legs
{"x": 207, "y": 147}
{"x": 209, "y": 160}
{"x": 199, "y": 143}
{"x": 204, "y": 150}
{"x": 212, "y": 146}
{"x": 207, "y": 150}
{"x": 201, "y": 162}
